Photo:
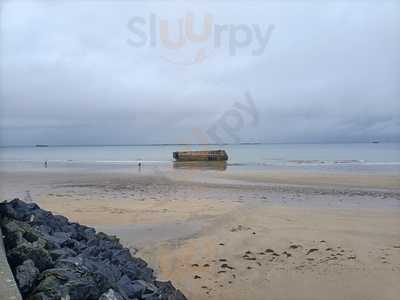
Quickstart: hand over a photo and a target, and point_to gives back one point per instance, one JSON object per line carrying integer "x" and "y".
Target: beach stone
{"x": 133, "y": 289}
{"x": 13, "y": 234}
{"x": 61, "y": 237}
{"x": 59, "y": 282}
{"x": 88, "y": 233}
{"x": 43, "y": 228}
{"x": 120, "y": 256}
{"x": 26, "y": 274}
{"x": 35, "y": 252}
{"x": 18, "y": 210}
{"x": 61, "y": 253}
{"x": 111, "y": 295}
{"x": 136, "y": 268}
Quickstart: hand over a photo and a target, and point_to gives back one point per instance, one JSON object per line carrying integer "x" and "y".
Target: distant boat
{"x": 375, "y": 142}
{"x": 212, "y": 155}
{"x": 41, "y": 145}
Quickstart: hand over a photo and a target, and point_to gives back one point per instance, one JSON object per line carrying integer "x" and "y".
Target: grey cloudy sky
{"x": 69, "y": 75}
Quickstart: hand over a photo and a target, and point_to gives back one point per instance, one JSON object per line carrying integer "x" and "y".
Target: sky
{"x": 142, "y": 72}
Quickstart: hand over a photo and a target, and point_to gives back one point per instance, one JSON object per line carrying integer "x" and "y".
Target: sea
{"x": 346, "y": 157}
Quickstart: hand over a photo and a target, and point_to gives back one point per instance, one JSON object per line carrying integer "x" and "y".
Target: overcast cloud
{"x": 330, "y": 72}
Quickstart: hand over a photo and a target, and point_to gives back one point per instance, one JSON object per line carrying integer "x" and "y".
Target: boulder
{"x": 34, "y": 251}
{"x": 59, "y": 282}
{"x": 54, "y": 259}
{"x": 61, "y": 253}
{"x": 111, "y": 295}
{"x": 26, "y": 274}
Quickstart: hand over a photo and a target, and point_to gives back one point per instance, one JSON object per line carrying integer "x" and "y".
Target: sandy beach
{"x": 242, "y": 150}
{"x": 249, "y": 235}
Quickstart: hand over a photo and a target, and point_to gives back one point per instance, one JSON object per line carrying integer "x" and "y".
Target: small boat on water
{"x": 212, "y": 155}
{"x": 41, "y": 145}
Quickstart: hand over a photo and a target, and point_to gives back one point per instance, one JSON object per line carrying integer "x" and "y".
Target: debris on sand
{"x": 294, "y": 246}
{"x": 311, "y": 250}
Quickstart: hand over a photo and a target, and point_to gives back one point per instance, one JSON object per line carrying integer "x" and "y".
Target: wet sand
{"x": 220, "y": 235}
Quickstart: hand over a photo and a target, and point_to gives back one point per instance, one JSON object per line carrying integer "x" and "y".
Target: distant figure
{"x": 45, "y": 163}
{"x": 140, "y": 165}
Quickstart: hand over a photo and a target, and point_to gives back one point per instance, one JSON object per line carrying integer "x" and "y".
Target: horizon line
{"x": 195, "y": 144}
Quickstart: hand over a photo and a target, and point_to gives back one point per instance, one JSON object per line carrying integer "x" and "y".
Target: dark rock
{"x": 61, "y": 253}
{"x": 88, "y": 233}
{"x": 60, "y": 282}
{"x": 61, "y": 237}
{"x": 26, "y": 274}
{"x": 33, "y": 251}
{"x": 54, "y": 259}
{"x": 13, "y": 234}
{"x": 43, "y": 228}
{"x": 40, "y": 296}
{"x": 111, "y": 295}
{"x": 136, "y": 269}
{"x": 167, "y": 289}
{"x": 136, "y": 288}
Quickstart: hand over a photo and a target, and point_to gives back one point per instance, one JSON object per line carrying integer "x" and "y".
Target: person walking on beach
{"x": 45, "y": 163}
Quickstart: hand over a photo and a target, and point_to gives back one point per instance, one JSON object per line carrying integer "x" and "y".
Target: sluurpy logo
{"x": 187, "y": 46}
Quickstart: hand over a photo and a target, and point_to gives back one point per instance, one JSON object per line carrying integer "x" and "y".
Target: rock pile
{"x": 52, "y": 258}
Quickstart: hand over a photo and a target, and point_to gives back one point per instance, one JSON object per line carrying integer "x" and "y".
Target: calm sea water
{"x": 347, "y": 157}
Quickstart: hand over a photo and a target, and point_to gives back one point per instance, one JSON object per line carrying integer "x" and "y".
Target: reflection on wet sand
{"x": 201, "y": 165}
